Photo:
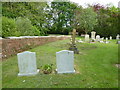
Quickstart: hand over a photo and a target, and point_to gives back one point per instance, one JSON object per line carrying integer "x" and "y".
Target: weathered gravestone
{"x": 73, "y": 45}
{"x": 117, "y": 37}
{"x": 27, "y": 63}
{"x": 86, "y": 38}
{"x": 102, "y": 40}
{"x": 106, "y": 41}
{"x": 110, "y": 37}
{"x": 65, "y": 61}
{"x": 97, "y": 37}
{"x": 93, "y": 35}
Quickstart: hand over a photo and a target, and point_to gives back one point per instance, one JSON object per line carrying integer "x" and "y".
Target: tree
{"x": 87, "y": 19}
{"x": 24, "y": 27}
{"x": 62, "y": 16}
{"x": 108, "y": 21}
{"x": 8, "y": 27}
{"x": 34, "y": 11}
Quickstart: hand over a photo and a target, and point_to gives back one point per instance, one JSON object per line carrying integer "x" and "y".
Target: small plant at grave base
{"x": 47, "y": 69}
{"x": 92, "y": 40}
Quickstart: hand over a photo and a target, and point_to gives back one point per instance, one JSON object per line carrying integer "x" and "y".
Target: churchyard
{"x": 94, "y": 67}
{"x": 59, "y": 44}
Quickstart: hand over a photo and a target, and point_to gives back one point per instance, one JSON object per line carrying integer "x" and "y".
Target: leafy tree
{"x": 34, "y": 11}
{"x": 24, "y": 27}
{"x": 0, "y": 26}
{"x": 63, "y": 15}
{"x": 8, "y": 27}
{"x": 108, "y": 21}
{"x": 87, "y": 19}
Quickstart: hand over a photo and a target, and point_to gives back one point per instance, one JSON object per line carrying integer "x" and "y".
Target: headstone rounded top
{"x": 25, "y": 52}
{"x": 118, "y": 35}
{"x": 93, "y": 31}
{"x": 64, "y": 51}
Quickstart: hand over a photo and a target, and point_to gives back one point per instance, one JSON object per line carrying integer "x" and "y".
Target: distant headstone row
{"x": 27, "y": 62}
{"x": 97, "y": 38}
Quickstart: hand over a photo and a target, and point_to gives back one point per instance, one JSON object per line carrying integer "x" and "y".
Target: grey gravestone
{"x": 98, "y": 38}
{"x": 106, "y": 41}
{"x": 117, "y": 37}
{"x": 102, "y": 40}
{"x": 86, "y": 38}
{"x": 27, "y": 63}
{"x": 93, "y": 35}
{"x": 110, "y": 37}
{"x": 65, "y": 61}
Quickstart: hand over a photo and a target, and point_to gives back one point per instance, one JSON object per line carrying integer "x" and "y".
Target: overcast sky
{"x": 103, "y": 2}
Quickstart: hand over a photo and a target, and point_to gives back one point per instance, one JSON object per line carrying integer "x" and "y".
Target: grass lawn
{"x": 94, "y": 66}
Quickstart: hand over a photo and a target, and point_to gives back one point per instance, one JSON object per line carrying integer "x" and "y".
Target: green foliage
{"x": 34, "y": 11}
{"x": 24, "y": 27}
{"x": 47, "y": 69}
{"x": 8, "y": 27}
{"x": 36, "y": 32}
{"x": 0, "y": 19}
{"x": 87, "y": 19}
{"x": 108, "y": 22}
{"x": 62, "y": 16}
{"x": 0, "y": 26}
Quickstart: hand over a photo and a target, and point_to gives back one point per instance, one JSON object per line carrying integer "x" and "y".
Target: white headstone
{"x": 117, "y": 37}
{"x": 86, "y": 38}
{"x": 101, "y": 40}
{"x": 98, "y": 38}
{"x": 110, "y": 37}
{"x": 93, "y": 35}
{"x": 106, "y": 40}
{"x": 27, "y": 63}
{"x": 65, "y": 61}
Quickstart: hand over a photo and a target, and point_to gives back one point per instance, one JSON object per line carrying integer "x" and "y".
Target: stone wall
{"x": 13, "y": 45}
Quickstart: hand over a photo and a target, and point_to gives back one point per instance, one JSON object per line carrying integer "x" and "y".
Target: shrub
{"x": 8, "y": 27}
{"x": 36, "y": 32}
{"x": 25, "y": 28}
{"x": 47, "y": 69}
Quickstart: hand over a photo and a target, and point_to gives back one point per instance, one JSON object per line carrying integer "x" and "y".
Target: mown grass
{"x": 95, "y": 67}
{"x": 0, "y": 75}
